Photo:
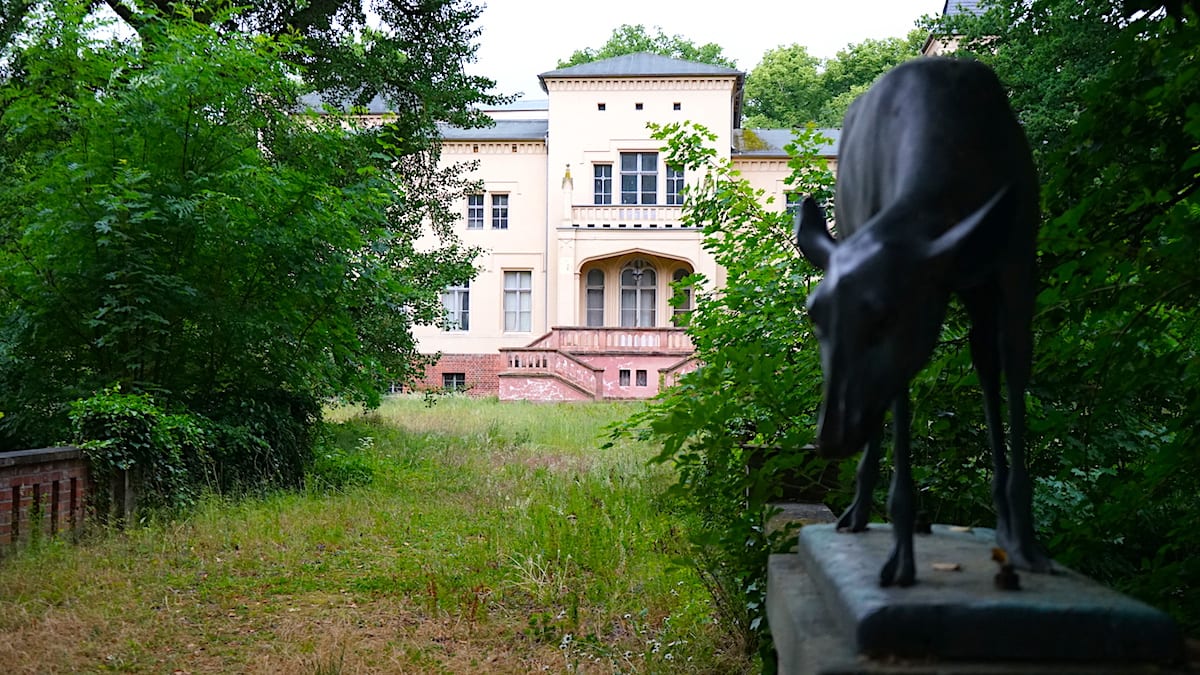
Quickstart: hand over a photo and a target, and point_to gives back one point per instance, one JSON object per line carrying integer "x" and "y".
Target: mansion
{"x": 579, "y": 223}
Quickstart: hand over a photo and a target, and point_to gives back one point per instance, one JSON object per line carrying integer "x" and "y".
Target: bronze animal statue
{"x": 936, "y": 195}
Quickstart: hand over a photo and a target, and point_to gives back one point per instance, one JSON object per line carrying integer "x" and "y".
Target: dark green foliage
{"x": 129, "y": 432}
{"x": 1109, "y": 100}
{"x": 731, "y": 428}
{"x": 632, "y": 39}
{"x": 172, "y": 224}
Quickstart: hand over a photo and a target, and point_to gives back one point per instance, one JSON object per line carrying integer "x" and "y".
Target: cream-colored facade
{"x": 579, "y": 221}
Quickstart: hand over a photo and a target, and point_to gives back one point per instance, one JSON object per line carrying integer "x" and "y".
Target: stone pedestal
{"x": 829, "y": 615}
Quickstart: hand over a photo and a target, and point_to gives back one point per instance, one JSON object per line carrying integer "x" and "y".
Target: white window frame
{"x": 674, "y": 186}
{"x": 602, "y": 187}
{"x": 475, "y": 211}
{"x": 792, "y": 203}
{"x": 457, "y": 301}
{"x": 594, "y": 298}
{"x": 518, "y": 301}
{"x": 639, "y": 178}
{"x": 500, "y": 211}
{"x": 639, "y": 294}
{"x": 680, "y": 315}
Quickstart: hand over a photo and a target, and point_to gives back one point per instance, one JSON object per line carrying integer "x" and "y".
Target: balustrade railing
{"x": 572, "y": 338}
{"x": 629, "y": 216}
{"x": 552, "y": 361}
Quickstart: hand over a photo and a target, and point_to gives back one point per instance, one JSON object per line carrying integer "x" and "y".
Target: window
{"x": 682, "y": 299}
{"x": 454, "y": 381}
{"x": 637, "y": 106}
{"x": 600, "y": 106}
{"x": 603, "y": 188}
{"x": 518, "y": 302}
{"x": 499, "y": 212}
{"x": 639, "y": 283}
{"x": 793, "y": 201}
{"x": 457, "y": 301}
{"x": 623, "y": 377}
{"x": 639, "y": 177}
{"x": 474, "y": 212}
{"x": 674, "y": 185}
{"x": 677, "y": 106}
{"x": 595, "y": 298}
{"x": 641, "y": 378}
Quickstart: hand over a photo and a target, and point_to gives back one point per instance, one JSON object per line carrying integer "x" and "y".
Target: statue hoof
{"x": 894, "y": 573}
{"x": 851, "y": 521}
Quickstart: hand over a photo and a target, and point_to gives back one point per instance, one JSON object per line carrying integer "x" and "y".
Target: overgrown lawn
{"x": 470, "y": 536}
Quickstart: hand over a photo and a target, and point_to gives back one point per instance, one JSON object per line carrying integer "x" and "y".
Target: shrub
{"x": 167, "y": 453}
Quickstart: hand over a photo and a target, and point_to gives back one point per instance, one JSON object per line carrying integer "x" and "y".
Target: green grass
{"x": 471, "y": 536}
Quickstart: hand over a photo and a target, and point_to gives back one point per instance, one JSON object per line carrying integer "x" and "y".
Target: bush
{"x": 176, "y": 456}
{"x": 167, "y": 453}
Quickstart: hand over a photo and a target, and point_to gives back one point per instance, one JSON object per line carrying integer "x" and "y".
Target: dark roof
{"x": 521, "y": 105}
{"x": 770, "y": 142}
{"x": 644, "y": 64}
{"x": 640, "y": 64}
{"x": 317, "y": 103}
{"x": 955, "y": 7}
{"x": 502, "y": 130}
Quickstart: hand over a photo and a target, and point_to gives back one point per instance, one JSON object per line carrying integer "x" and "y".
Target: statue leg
{"x": 1020, "y": 544}
{"x": 900, "y": 568}
{"x": 856, "y": 517}
{"x": 985, "y": 355}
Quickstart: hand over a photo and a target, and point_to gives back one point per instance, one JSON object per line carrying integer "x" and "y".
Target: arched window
{"x": 682, "y": 299}
{"x": 595, "y": 298}
{"x": 639, "y": 283}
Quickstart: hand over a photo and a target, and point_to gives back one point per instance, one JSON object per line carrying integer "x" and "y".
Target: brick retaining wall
{"x": 42, "y": 490}
{"x": 482, "y": 372}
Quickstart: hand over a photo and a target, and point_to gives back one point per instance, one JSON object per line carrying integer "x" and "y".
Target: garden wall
{"x": 42, "y": 491}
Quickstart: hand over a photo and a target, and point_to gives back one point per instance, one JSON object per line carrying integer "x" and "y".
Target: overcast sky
{"x": 522, "y": 38}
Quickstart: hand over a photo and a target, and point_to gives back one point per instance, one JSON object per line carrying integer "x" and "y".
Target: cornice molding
{"x": 759, "y": 165}
{"x": 493, "y": 148}
{"x": 640, "y": 84}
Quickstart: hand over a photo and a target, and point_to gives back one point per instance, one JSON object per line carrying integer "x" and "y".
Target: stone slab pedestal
{"x": 829, "y": 615}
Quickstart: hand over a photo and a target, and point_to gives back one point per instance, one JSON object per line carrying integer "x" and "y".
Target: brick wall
{"x": 41, "y": 490}
{"x": 481, "y": 372}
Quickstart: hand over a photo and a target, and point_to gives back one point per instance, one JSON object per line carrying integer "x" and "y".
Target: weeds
{"x": 488, "y": 538}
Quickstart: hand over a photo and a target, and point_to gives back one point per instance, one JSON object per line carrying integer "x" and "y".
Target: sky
{"x": 522, "y": 38}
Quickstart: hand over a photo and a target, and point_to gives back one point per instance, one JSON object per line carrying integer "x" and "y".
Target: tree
{"x": 729, "y": 426}
{"x": 791, "y": 88}
{"x": 1107, "y": 97}
{"x": 173, "y": 226}
{"x": 411, "y": 54}
{"x": 785, "y": 89}
{"x": 633, "y": 39}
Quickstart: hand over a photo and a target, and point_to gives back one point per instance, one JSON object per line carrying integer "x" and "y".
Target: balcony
{"x": 628, "y": 217}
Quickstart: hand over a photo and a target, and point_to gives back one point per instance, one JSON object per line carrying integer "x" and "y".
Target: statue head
{"x": 878, "y": 310}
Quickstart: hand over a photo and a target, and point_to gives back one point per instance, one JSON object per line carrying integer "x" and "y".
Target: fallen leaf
{"x": 999, "y": 555}
{"x": 946, "y": 567}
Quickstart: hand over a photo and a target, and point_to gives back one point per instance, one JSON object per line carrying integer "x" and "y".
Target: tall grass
{"x": 470, "y": 536}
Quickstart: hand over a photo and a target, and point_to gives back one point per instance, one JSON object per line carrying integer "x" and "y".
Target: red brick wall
{"x": 43, "y": 490}
{"x": 481, "y": 371}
